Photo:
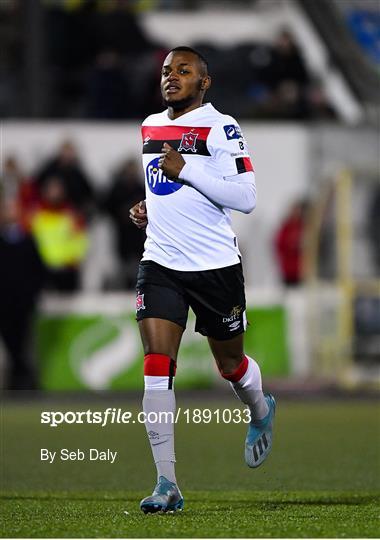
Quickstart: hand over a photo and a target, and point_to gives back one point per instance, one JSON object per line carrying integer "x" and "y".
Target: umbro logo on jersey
{"x": 146, "y": 140}
{"x": 188, "y": 142}
{"x": 232, "y": 132}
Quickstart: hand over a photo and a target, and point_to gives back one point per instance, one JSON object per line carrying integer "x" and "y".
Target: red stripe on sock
{"x": 159, "y": 365}
{"x": 236, "y": 375}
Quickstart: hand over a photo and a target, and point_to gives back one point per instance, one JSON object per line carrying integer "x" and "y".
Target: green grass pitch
{"x": 321, "y": 480}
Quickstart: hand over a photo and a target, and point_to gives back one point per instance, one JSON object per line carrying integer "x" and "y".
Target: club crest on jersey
{"x": 232, "y": 132}
{"x": 188, "y": 142}
{"x": 140, "y": 302}
{"x": 157, "y": 182}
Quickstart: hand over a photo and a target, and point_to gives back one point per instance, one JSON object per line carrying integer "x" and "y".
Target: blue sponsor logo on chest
{"x": 232, "y": 132}
{"x": 157, "y": 181}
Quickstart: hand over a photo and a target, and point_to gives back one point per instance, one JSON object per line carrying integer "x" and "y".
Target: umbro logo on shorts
{"x": 234, "y": 326}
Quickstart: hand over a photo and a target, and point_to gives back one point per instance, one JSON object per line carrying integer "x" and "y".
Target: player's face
{"x": 181, "y": 80}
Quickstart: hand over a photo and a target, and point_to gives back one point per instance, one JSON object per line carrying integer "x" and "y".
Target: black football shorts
{"x": 216, "y": 296}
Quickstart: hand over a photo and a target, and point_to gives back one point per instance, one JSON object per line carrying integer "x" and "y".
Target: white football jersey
{"x": 186, "y": 230}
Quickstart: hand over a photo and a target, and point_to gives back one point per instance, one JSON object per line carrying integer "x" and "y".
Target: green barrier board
{"x": 104, "y": 352}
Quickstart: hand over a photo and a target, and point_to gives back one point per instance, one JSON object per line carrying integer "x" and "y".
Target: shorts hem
{"x": 138, "y": 319}
{"x": 223, "y": 338}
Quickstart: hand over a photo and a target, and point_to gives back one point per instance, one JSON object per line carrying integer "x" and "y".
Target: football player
{"x": 197, "y": 169}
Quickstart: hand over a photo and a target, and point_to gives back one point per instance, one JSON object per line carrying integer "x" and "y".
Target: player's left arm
{"x": 235, "y": 186}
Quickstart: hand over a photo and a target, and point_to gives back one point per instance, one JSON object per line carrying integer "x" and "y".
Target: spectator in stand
{"x": 288, "y": 102}
{"x": 116, "y": 28}
{"x": 12, "y": 178}
{"x": 15, "y": 185}
{"x": 21, "y": 278}
{"x": 66, "y": 165}
{"x": 319, "y": 106}
{"x": 289, "y": 79}
{"x": 122, "y": 47}
{"x": 289, "y": 242}
{"x": 287, "y": 63}
{"x": 126, "y": 189}
{"x": 61, "y": 235}
{"x": 108, "y": 95}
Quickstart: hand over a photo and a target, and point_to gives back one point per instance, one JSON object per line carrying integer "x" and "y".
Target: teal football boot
{"x": 258, "y": 443}
{"x": 166, "y": 497}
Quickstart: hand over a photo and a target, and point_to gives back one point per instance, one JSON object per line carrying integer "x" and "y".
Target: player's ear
{"x": 206, "y": 83}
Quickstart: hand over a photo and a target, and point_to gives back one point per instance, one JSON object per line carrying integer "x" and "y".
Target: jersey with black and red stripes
{"x": 186, "y": 230}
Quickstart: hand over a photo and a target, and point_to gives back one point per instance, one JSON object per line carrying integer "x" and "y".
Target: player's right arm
{"x": 138, "y": 215}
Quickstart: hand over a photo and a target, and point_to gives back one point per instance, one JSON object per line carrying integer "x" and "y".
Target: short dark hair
{"x": 200, "y": 56}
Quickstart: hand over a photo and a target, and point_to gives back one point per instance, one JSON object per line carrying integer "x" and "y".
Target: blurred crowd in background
{"x": 45, "y": 220}
{"x": 45, "y": 223}
{"x": 53, "y": 208}
{"x": 55, "y": 205}
{"x": 99, "y": 63}
{"x": 92, "y": 59}
{"x": 44, "y": 239}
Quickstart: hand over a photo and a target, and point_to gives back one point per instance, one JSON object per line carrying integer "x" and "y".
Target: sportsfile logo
{"x": 157, "y": 182}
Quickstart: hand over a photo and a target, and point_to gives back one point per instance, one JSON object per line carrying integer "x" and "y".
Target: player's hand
{"x": 171, "y": 162}
{"x": 138, "y": 215}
